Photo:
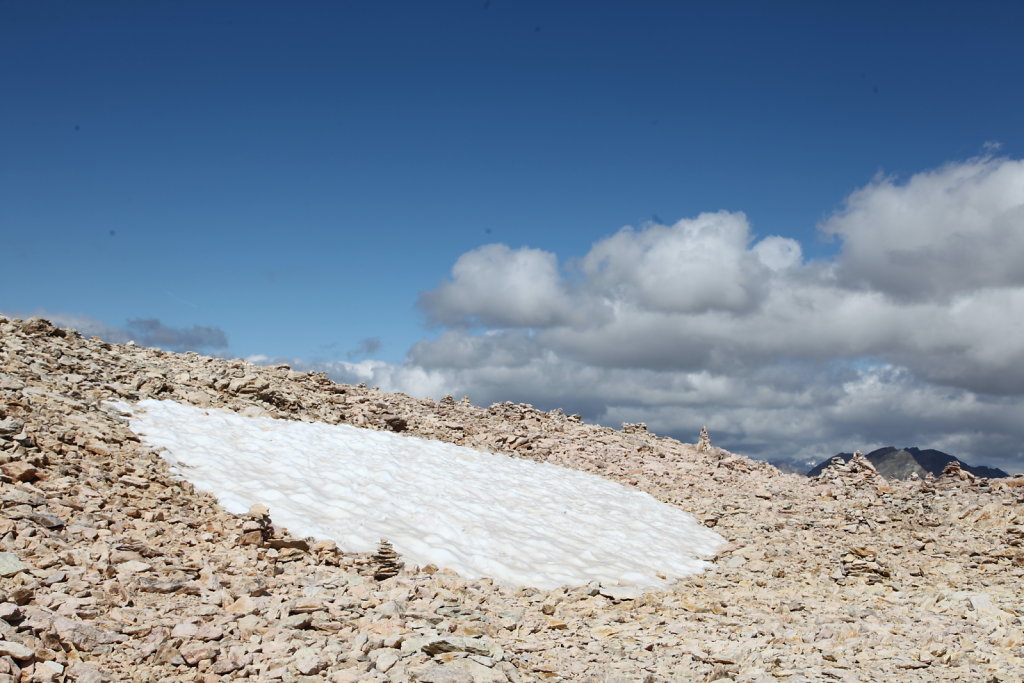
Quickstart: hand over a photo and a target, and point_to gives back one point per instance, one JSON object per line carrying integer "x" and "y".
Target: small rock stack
{"x": 704, "y": 445}
{"x": 386, "y": 560}
{"x": 860, "y": 465}
{"x": 858, "y": 468}
{"x": 257, "y": 527}
{"x": 955, "y": 472}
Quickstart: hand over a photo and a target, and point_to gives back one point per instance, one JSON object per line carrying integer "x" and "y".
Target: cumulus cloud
{"x": 912, "y": 335}
{"x": 942, "y": 233}
{"x": 500, "y": 287}
{"x": 143, "y": 331}
{"x": 778, "y": 253}
{"x": 693, "y": 266}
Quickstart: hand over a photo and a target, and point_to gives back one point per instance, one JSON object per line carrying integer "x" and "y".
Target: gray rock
{"x": 10, "y": 426}
{"x": 85, "y": 637}
{"x": 10, "y": 564}
{"x": 46, "y": 519}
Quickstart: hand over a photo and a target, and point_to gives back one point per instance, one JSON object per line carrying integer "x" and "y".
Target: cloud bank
{"x": 143, "y": 331}
{"x": 912, "y": 335}
{"x": 366, "y": 347}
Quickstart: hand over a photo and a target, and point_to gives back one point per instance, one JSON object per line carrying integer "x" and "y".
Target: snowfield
{"x": 479, "y": 514}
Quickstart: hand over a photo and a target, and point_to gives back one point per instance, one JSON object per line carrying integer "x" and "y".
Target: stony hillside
{"x": 113, "y": 568}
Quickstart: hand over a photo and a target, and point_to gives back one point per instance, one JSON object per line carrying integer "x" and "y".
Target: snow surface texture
{"x": 479, "y": 514}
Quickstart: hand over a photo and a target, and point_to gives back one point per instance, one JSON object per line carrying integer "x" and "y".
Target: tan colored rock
{"x": 19, "y": 471}
{"x": 15, "y": 650}
{"x": 195, "y": 652}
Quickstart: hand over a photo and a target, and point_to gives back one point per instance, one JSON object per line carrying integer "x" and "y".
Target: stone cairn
{"x": 860, "y": 465}
{"x": 386, "y": 560}
{"x": 704, "y": 445}
{"x": 954, "y": 471}
{"x": 954, "y": 476}
{"x": 257, "y": 527}
{"x": 859, "y": 468}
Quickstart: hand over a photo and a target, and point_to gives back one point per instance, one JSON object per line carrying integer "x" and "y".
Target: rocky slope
{"x": 112, "y": 568}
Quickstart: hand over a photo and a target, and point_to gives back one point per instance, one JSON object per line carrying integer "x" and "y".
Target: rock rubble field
{"x": 114, "y": 568}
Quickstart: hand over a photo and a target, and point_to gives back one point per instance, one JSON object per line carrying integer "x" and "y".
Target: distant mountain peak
{"x": 902, "y": 463}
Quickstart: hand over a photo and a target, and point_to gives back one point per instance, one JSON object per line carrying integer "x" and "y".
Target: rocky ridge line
{"x": 112, "y": 568}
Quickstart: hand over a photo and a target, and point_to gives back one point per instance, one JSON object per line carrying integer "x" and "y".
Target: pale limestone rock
{"x": 133, "y": 567}
{"x": 439, "y": 673}
{"x": 195, "y": 652}
{"x": 385, "y": 658}
{"x": 308, "y": 662}
{"x": 82, "y": 672}
{"x": 15, "y": 650}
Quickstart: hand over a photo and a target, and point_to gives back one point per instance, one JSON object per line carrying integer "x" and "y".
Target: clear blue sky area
{"x": 296, "y": 173}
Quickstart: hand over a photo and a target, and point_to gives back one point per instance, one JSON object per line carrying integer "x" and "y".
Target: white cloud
{"x": 778, "y": 253}
{"x": 913, "y": 335}
{"x": 944, "y": 232}
{"x": 693, "y": 266}
{"x": 500, "y": 287}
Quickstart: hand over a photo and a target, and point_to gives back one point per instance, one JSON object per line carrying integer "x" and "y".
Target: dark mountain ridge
{"x": 901, "y": 463}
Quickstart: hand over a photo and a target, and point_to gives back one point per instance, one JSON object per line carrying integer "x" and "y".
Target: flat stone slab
{"x": 10, "y": 564}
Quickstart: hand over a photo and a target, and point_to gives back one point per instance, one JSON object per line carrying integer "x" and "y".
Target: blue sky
{"x": 295, "y": 175}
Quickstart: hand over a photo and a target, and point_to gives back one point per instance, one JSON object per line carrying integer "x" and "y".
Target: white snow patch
{"x": 479, "y": 514}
